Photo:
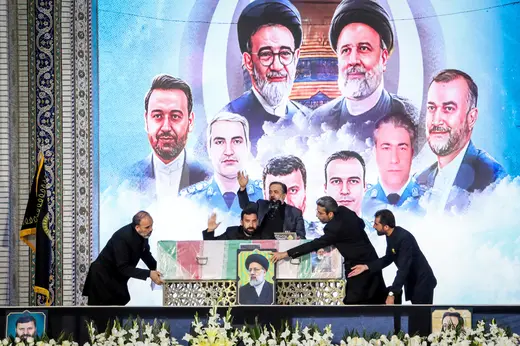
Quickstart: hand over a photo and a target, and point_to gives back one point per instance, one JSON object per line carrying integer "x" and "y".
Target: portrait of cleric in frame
{"x": 26, "y": 324}
{"x": 256, "y": 278}
{"x": 443, "y": 320}
{"x": 270, "y": 37}
{"x": 362, "y": 37}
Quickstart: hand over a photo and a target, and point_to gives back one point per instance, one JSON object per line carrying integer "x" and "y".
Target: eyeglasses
{"x": 266, "y": 56}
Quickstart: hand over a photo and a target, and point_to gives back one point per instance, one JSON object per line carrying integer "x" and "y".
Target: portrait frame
{"x": 438, "y": 316}
{"x": 13, "y": 317}
{"x": 246, "y": 294}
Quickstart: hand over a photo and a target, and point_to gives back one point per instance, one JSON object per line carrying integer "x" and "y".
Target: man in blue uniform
{"x": 229, "y": 150}
{"x": 394, "y": 138}
{"x": 461, "y": 168}
{"x": 270, "y": 36}
{"x": 362, "y": 37}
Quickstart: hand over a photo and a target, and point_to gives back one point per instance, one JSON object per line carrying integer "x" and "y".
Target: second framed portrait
{"x": 256, "y": 277}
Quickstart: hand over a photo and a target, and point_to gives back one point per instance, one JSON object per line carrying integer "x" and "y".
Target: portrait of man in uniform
{"x": 228, "y": 147}
{"x": 394, "y": 138}
{"x": 256, "y": 278}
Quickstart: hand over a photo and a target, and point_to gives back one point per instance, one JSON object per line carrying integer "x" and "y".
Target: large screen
{"x": 410, "y": 106}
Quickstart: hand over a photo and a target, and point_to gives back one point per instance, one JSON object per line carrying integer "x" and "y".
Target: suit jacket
{"x": 108, "y": 275}
{"x": 477, "y": 171}
{"x": 231, "y": 233}
{"x": 346, "y": 231}
{"x": 413, "y": 270}
{"x": 293, "y": 218}
{"x": 333, "y": 115}
{"x": 141, "y": 175}
{"x": 247, "y": 295}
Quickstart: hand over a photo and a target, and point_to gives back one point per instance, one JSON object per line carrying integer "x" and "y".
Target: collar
{"x": 280, "y": 110}
{"x": 359, "y": 107}
{"x": 453, "y": 166}
{"x": 171, "y": 167}
{"x": 400, "y": 192}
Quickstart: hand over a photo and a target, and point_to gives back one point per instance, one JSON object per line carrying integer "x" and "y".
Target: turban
{"x": 262, "y": 12}
{"x": 361, "y": 11}
{"x": 257, "y": 258}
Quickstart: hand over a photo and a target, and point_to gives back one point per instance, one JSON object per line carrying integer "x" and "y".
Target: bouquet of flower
{"x": 218, "y": 331}
{"x": 264, "y": 336}
{"x": 493, "y": 335}
{"x": 63, "y": 340}
{"x": 134, "y": 332}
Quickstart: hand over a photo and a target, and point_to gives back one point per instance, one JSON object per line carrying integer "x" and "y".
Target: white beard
{"x": 360, "y": 89}
{"x": 273, "y": 93}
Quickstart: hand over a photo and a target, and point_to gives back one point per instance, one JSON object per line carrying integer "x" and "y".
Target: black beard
{"x": 380, "y": 233}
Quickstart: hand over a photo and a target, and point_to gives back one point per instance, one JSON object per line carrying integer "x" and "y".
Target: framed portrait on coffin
{"x": 256, "y": 277}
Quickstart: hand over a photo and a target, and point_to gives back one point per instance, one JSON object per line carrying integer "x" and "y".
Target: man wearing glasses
{"x": 270, "y": 36}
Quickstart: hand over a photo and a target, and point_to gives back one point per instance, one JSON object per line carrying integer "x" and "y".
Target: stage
{"x": 382, "y": 319}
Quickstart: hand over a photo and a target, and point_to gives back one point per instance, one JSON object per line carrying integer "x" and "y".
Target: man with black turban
{"x": 257, "y": 291}
{"x": 270, "y": 36}
{"x": 361, "y": 35}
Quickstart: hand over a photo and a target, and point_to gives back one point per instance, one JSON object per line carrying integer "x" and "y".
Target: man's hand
{"x": 277, "y": 256}
{"x": 242, "y": 180}
{"x": 390, "y": 300}
{"x": 212, "y": 222}
{"x": 357, "y": 269}
{"x": 156, "y": 277}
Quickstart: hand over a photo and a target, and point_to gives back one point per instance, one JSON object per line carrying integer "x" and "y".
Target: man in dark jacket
{"x": 346, "y": 231}
{"x": 413, "y": 270}
{"x": 107, "y": 279}
{"x": 274, "y": 215}
{"x": 246, "y": 230}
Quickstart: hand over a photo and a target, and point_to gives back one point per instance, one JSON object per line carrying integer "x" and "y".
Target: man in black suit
{"x": 257, "y": 290}
{"x": 246, "y": 230}
{"x": 274, "y": 215}
{"x": 413, "y": 270}
{"x": 168, "y": 118}
{"x": 346, "y": 231}
{"x": 107, "y": 279}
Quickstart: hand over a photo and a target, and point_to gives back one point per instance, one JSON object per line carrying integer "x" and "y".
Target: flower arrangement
{"x": 134, "y": 332}
{"x": 63, "y": 340}
{"x": 219, "y": 331}
{"x": 263, "y": 336}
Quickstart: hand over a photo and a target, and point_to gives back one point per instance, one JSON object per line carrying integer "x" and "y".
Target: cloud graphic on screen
{"x": 475, "y": 256}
